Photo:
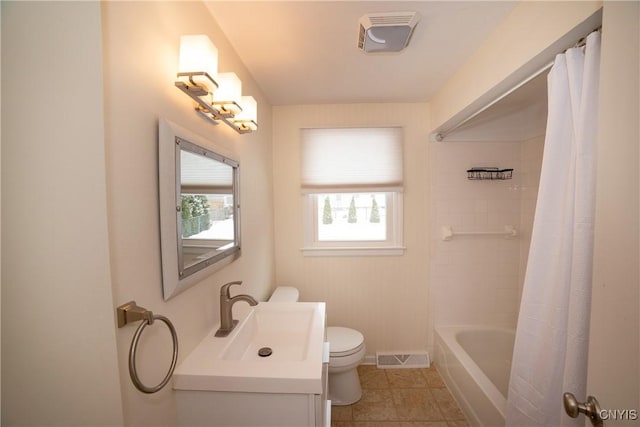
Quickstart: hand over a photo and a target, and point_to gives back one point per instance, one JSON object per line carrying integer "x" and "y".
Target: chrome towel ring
{"x": 131, "y": 312}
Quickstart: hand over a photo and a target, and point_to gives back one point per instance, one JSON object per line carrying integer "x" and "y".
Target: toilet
{"x": 347, "y": 350}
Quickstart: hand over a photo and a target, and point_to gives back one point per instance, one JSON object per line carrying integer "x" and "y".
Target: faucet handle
{"x": 224, "y": 290}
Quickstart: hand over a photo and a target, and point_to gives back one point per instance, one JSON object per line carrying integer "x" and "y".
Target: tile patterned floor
{"x": 400, "y": 398}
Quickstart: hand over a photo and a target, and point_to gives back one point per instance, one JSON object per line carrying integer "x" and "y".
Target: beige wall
{"x": 614, "y": 353}
{"x": 528, "y": 39}
{"x": 59, "y": 352}
{"x": 141, "y": 41}
{"x": 385, "y": 298}
{"x": 0, "y": 221}
{"x": 80, "y": 215}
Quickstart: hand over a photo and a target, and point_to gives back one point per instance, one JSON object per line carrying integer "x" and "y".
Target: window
{"x": 352, "y": 190}
{"x": 207, "y": 216}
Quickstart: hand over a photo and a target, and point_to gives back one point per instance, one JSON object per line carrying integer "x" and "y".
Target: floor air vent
{"x": 412, "y": 360}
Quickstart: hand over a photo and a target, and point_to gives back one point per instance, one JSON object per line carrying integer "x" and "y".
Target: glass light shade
{"x": 229, "y": 92}
{"x": 249, "y": 113}
{"x": 198, "y": 54}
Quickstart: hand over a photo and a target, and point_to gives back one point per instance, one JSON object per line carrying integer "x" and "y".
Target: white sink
{"x": 292, "y": 331}
{"x": 284, "y": 331}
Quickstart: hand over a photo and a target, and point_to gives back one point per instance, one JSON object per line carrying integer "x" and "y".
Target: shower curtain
{"x": 550, "y": 353}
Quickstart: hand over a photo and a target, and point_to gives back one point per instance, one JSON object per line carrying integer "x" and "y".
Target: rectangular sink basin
{"x": 289, "y": 335}
{"x": 273, "y": 334}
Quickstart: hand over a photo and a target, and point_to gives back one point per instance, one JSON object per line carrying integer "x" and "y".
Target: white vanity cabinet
{"x": 223, "y": 408}
{"x": 218, "y": 385}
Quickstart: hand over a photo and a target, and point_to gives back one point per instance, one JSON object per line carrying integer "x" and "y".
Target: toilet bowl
{"x": 346, "y": 348}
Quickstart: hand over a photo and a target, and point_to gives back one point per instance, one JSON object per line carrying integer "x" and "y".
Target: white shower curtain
{"x": 550, "y": 353}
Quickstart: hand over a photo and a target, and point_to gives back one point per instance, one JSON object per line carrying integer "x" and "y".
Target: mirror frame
{"x": 175, "y": 277}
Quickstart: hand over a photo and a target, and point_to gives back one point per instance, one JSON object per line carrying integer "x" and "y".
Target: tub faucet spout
{"x": 226, "y": 305}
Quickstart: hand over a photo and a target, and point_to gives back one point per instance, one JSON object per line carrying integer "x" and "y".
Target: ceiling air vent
{"x": 386, "y": 32}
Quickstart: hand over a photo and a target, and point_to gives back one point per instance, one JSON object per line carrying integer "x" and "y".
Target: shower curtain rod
{"x": 443, "y": 134}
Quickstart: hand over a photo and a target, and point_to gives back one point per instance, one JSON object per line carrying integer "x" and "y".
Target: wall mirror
{"x": 199, "y": 208}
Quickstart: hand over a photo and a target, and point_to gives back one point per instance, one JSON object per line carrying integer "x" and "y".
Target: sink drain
{"x": 265, "y": 352}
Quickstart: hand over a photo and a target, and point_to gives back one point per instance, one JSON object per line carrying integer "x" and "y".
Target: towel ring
{"x": 130, "y": 312}
{"x": 133, "y": 372}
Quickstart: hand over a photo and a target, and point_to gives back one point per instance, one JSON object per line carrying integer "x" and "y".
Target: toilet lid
{"x": 343, "y": 340}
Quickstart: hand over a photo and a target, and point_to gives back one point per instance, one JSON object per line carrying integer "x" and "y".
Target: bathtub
{"x": 475, "y": 363}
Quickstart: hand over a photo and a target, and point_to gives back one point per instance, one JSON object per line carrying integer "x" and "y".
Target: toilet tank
{"x": 285, "y": 294}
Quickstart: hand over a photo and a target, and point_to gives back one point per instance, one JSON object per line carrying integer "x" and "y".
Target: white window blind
{"x": 349, "y": 159}
{"x": 199, "y": 174}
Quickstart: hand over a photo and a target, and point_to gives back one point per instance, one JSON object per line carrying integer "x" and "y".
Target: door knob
{"x": 591, "y": 408}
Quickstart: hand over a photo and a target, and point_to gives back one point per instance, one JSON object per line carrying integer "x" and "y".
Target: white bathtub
{"x": 475, "y": 363}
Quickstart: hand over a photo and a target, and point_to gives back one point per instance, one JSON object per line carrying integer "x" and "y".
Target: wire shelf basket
{"x": 482, "y": 173}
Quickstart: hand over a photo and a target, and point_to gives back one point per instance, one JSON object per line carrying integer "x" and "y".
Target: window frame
{"x": 392, "y": 246}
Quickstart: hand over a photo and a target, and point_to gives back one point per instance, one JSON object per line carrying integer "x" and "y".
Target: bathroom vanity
{"x": 271, "y": 370}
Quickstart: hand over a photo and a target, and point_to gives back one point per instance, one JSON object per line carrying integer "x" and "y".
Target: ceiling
{"x": 305, "y": 52}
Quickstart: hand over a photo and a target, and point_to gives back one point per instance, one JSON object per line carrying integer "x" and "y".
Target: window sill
{"x": 354, "y": 251}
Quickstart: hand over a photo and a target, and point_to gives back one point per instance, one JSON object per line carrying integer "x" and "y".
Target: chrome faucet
{"x": 226, "y": 304}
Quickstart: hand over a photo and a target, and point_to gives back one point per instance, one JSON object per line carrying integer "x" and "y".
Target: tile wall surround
{"x": 478, "y": 279}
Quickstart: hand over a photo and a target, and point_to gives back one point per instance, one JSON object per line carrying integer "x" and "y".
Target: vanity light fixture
{"x": 218, "y": 95}
{"x": 198, "y": 65}
{"x": 247, "y": 119}
{"x": 227, "y": 98}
